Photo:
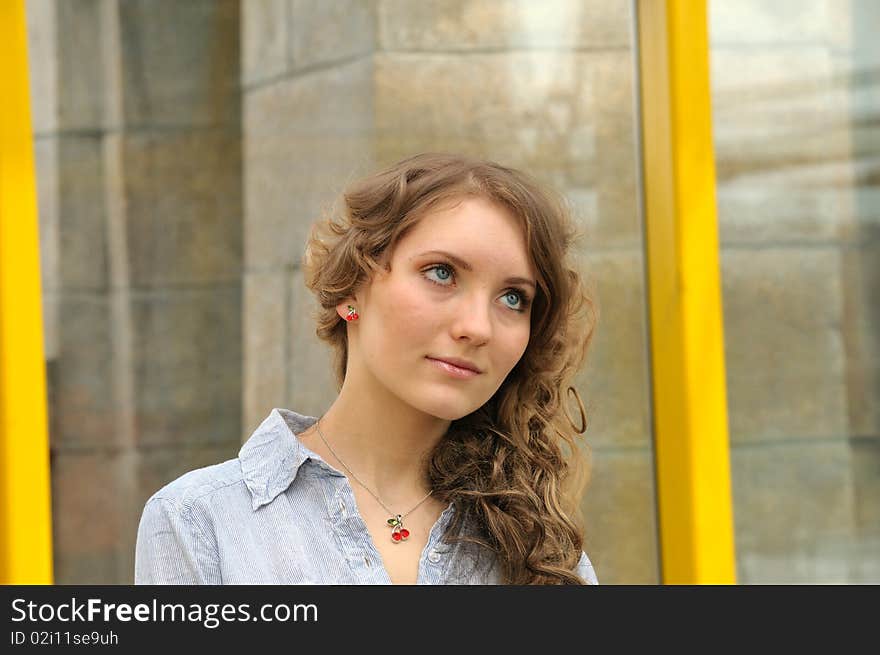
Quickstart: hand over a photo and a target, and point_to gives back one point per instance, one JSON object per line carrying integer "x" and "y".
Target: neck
{"x": 381, "y": 440}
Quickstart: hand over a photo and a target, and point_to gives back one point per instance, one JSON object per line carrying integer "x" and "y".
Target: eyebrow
{"x": 458, "y": 261}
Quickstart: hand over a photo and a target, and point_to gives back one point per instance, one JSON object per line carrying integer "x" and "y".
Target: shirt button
{"x": 434, "y": 556}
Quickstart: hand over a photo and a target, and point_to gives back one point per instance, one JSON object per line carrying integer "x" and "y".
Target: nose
{"x": 473, "y": 319}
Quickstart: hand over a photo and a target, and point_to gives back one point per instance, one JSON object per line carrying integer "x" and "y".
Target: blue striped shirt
{"x": 251, "y": 520}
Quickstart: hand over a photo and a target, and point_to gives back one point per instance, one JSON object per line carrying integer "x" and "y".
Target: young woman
{"x": 445, "y": 287}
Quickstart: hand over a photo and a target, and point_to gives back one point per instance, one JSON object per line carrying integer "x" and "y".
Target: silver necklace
{"x": 398, "y": 532}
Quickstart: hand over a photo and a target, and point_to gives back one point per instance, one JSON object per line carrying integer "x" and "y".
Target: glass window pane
{"x": 796, "y": 98}
{"x": 547, "y": 87}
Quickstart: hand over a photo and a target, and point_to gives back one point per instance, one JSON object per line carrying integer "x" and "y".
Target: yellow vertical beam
{"x": 687, "y": 340}
{"x": 25, "y": 504}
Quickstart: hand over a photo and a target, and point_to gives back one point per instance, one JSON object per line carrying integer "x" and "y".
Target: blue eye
{"x": 446, "y": 271}
{"x": 442, "y": 269}
{"x": 516, "y": 296}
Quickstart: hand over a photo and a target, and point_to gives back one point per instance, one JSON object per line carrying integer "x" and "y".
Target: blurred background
{"x": 183, "y": 149}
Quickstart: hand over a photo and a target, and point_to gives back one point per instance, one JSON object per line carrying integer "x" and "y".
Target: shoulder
{"x": 585, "y": 570}
{"x": 176, "y": 545}
{"x": 198, "y": 485}
{"x": 177, "y": 516}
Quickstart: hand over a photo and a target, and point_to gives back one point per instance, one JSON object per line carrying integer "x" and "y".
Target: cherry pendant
{"x": 398, "y": 533}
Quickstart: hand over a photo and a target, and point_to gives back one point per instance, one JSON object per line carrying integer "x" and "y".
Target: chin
{"x": 451, "y": 411}
{"x": 450, "y": 416}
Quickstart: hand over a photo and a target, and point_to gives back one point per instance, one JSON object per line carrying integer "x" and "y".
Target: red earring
{"x": 352, "y": 314}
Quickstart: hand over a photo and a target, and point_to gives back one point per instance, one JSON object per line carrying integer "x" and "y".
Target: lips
{"x": 460, "y": 363}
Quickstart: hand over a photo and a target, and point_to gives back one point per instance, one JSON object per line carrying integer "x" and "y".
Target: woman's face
{"x": 430, "y": 306}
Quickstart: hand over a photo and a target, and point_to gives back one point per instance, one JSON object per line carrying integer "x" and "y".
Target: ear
{"x": 344, "y": 308}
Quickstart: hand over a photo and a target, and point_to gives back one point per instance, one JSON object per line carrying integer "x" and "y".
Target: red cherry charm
{"x": 396, "y": 536}
{"x": 404, "y": 533}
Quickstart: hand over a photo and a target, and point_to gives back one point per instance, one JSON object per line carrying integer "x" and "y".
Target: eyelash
{"x": 524, "y": 298}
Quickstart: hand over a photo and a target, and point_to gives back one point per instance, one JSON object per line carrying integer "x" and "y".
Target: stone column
{"x": 307, "y": 92}
{"x": 137, "y": 136}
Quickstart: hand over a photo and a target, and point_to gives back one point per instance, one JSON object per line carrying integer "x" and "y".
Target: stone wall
{"x": 307, "y": 96}
{"x": 136, "y": 117}
{"x": 796, "y": 99}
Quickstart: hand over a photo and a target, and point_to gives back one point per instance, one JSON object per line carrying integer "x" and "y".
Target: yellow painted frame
{"x": 25, "y": 500}
{"x": 684, "y": 295}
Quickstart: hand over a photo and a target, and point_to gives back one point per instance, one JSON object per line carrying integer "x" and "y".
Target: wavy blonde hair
{"x": 512, "y": 467}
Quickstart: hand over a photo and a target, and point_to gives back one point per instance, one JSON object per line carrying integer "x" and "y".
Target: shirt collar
{"x": 272, "y": 455}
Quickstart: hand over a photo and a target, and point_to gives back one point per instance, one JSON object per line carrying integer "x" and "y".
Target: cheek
{"x": 409, "y": 313}
{"x": 517, "y": 349}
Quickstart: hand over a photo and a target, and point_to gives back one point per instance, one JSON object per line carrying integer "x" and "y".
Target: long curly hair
{"x": 513, "y": 467}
